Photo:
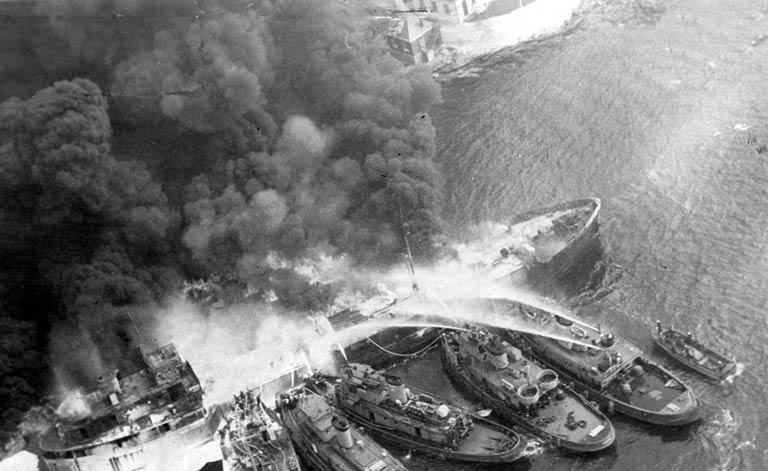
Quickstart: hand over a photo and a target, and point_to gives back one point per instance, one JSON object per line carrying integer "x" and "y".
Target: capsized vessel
{"x": 690, "y": 352}
{"x": 613, "y": 372}
{"x": 147, "y": 416}
{"x": 522, "y": 392}
{"x": 424, "y": 422}
{"x": 325, "y": 440}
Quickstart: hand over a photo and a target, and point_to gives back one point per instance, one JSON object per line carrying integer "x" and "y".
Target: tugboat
{"x": 147, "y": 416}
{"x": 613, "y": 372}
{"x": 326, "y": 441}
{"x": 692, "y": 353}
{"x": 255, "y": 438}
{"x": 522, "y": 392}
{"x": 383, "y": 405}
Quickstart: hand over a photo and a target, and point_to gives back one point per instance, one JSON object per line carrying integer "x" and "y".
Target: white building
{"x": 454, "y": 11}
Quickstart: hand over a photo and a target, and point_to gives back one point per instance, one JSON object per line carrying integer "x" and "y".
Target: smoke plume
{"x": 171, "y": 140}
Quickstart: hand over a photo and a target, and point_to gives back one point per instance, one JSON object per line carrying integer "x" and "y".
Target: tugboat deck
{"x": 590, "y": 356}
{"x": 553, "y": 416}
{"x": 363, "y": 455}
{"x": 383, "y": 404}
{"x": 615, "y": 370}
{"x": 650, "y": 392}
{"x": 485, "y": 440}
{"x": 512, "y": 382}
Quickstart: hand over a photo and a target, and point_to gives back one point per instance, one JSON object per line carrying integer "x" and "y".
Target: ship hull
{"x": 719, "y": 375}
{"x": 544, "y": 353}
{"x": 188, "y": 448}
{"x": 575, "y": 267}
{"x": 398, "y": 438}
{"x": 457, "y": 374}
{"x": 391, "y": 345}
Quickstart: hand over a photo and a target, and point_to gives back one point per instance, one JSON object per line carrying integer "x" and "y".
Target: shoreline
{"x": 469, "y": 46}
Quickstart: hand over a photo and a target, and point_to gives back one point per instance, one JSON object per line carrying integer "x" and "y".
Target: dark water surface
{"x": 665, "y": 121}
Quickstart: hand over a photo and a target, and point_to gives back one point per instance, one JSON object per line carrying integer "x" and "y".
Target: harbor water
{"x": 661, "y": 110}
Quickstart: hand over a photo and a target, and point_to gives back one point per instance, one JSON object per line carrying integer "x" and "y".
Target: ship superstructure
{"x": 613, "y": 372}
{"x": 146, "y": 417}
{"x": 524, "y": 393}
{"x": 385, "y": 406}
{"x": 326, "y": 440}
{"x": 254, "y": 437}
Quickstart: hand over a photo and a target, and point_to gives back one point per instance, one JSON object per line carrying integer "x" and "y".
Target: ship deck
{"x": 653, "y": 390}
{"x": 694, "y": 354}
{"x": 649, "y": 392}
{"x": 590, "y": 357}
{"x": 568, "y": 417}
{"x": 484, "y": 439}
{"x": 551, "y": 415}
{"x": 538, "y": 234}
{"x": 364, "y": 455}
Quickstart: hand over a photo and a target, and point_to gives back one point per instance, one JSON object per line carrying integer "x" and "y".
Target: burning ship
{"x": 558, "y": 243}
{"x": 380, "y": 346}
{"x": 326, "y": 441}
{"x": 613, "y": 372}
{"x": 148, "y": 416}
{"x": 383, "y": 405}
{"x": 522, "y": 392}
{"x": 254, "y": 437}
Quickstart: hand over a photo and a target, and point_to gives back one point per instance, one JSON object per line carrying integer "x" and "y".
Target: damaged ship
{"x": 254, "y": 437}
{"x": 556, "y": 244}
{"x": 148, "y": 416}
{"x": 383, "y": 405}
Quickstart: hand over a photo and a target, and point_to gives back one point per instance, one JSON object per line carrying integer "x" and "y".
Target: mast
{"x": 411, "y": 270}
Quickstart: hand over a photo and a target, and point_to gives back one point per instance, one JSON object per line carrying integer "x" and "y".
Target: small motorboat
{"x": 692, "y": 353}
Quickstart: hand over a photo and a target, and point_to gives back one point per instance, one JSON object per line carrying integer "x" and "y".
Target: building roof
{"x": 410, "y": 28}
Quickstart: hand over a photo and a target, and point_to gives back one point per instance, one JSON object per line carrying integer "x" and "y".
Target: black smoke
{"x": 169, "y": 140}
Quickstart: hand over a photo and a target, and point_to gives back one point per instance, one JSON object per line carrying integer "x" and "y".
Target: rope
{"x": 404, "y": 354}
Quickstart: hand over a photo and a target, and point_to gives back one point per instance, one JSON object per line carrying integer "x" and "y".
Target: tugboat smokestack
{"x": 499, "y": 352}
{"x": 397, "y": 389}
{"x": 344, "y": 435}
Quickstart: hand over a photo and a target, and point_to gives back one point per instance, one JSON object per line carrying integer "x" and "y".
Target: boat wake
{"x": 736, "y": 373}
{"x": 724, "y": 444}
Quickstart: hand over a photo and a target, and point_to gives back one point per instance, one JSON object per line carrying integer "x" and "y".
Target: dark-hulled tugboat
{"x": 326, "y": 441}
{"x": 692, "y": 353}
{"x": 254, "y": 438}
{"x": 613, "y": 372}
{"x": 522, "y": 392}
{"x": 147, "y": 416}
{"x": 383, "y": 405}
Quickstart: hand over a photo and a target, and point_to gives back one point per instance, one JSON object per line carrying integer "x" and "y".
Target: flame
{"x": 74, "y": 406}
